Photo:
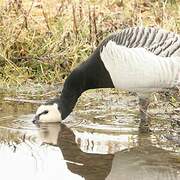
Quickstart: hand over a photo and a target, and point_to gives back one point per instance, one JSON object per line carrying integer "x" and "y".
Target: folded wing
{"x": 137, "y": 69}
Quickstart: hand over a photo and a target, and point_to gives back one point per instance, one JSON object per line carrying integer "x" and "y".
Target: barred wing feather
{"x": 157, "y": 41}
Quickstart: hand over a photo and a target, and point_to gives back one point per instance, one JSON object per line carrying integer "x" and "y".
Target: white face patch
{"x": 48, "y": 113}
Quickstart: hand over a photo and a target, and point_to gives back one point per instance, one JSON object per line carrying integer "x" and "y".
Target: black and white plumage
{"x": 139, "y": 59}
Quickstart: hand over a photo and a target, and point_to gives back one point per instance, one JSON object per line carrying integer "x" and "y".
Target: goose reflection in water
{"x": 89, "y": 166}
{"x": 145, "y": 161}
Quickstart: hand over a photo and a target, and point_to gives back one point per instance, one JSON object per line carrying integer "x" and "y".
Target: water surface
{"x": 99, "y": 140}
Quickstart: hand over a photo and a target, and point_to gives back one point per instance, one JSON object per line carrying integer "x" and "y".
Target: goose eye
{"x": 45, "y": 112}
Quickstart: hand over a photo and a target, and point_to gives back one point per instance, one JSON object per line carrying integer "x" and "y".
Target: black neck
{"x": 91, "y": 74}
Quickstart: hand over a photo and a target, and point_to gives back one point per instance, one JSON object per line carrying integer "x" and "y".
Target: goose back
{"x": 158, "y": 41}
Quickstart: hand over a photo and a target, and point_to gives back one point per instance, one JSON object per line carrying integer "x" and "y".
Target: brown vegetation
{"x": 42, "y": 41}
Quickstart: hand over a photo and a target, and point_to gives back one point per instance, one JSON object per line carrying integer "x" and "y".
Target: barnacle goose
{"x": 138, "y": 59}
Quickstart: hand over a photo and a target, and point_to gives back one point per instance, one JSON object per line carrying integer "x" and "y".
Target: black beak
{"x": 35, "y": 119}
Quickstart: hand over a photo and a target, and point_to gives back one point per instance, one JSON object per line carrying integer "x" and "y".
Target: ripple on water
{"x": 102, "y": 142}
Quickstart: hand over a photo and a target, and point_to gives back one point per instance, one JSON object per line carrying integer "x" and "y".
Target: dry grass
{"x": 42, "y": 41}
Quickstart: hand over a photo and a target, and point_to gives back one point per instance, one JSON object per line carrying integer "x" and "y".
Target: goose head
{"x": 47, "y": 113}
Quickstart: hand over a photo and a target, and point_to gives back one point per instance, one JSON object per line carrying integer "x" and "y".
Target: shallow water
{"x": 99, "y": 140}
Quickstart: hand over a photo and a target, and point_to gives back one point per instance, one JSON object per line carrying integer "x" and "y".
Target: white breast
{"x": 136, "y": 69}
